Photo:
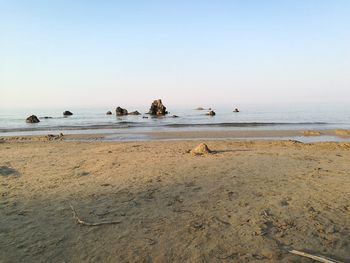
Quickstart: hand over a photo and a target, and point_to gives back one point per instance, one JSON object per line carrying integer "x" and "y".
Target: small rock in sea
{"x": 121, "y": 112}
{"x": 157, "y": 108}
{"x": 236, "y": 110}
{"x": 134, "y": 113}
{"x": 201, "y": 149}
{"x": 175, "y": 116}
{"x": 209, "y": 109}
{"x": 32, "y": 119}
{"x": 46, "y": 117}
{"x": 109, "y": 113}
{"x": 67, "y": 113}
{"x": 200, "y": 108}
{"x": 144, "y": 117}
{"x": 211, "y": 113}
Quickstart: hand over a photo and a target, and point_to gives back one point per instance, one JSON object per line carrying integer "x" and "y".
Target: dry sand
{"x": 247, "y": 202}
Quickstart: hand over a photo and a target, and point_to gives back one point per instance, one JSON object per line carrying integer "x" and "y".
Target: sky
{"x": 189, "y": 53}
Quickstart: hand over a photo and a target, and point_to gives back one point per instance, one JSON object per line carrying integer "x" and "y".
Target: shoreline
{"x": 340, "y": 135}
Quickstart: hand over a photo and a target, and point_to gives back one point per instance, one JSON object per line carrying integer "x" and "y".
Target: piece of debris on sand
{"x": 201, "y": 149}
{"x": 52, "y": 137}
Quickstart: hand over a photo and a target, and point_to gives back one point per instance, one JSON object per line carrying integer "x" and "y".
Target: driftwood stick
{"x": 316, "y": 258}
{"x": 84, "y": 223}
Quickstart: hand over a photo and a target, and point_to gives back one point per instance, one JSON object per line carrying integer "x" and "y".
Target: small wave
{"x": 128, "y": 124}
{"x": 243, "y": 124}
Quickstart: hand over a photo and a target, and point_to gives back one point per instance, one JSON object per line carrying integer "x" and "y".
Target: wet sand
{"x": 248, "y": 134}
{"x": 249, "y": 201}
{"x": 130, "y": 135}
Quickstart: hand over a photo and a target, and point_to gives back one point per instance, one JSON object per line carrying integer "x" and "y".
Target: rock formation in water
{"x": 121, "y": 112}
{"x": 211, "y": 113}
{"x": 157, "y": 108}
{"x": 32, "y": 119}
{"x": 134, "y": 113}
{"x": 67, "y": 113}
{"x": 109, "y": 113}
{"x": 236, "y": 110}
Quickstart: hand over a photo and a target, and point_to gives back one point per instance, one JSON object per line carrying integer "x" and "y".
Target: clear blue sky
{"x": 109, "y": 53}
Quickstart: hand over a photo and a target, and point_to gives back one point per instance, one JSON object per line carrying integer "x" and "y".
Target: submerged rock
{"x": 157, "y": 108}
{"x": 236, "y": 110}
{"x": 211, "y": 113}
{"x": 121, "y": 112}
{"x": 109, "y": 113}
{"x": 134, "y": 113}
{"x": 199, "y": 108}
{"x": 32, "y": 119}
{"x": 201, "y": 149}
{"x": 67, "y": 113}
{"x": 175, "y": 116}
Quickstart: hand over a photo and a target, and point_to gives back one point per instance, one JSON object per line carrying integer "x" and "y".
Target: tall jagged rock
{"x": 157, "y": 108}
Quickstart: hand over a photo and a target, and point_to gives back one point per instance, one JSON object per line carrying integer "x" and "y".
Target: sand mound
{"x": 201, "y": 149}
{"x": 311, "y": 133}
{"x": 342, "y": 132}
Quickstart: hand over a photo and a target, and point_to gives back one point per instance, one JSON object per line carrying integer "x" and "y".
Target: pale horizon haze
{"x": 189, "y": 53}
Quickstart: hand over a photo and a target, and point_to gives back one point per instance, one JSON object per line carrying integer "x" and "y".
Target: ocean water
{"x": 12, "y": 122}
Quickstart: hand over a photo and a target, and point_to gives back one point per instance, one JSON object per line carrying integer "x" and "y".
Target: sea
{"x": 95, "y": 121}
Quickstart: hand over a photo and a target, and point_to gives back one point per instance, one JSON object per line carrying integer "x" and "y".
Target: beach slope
{"x": 245, "y": 201}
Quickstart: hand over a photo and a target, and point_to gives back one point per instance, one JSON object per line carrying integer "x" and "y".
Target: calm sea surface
{"x": 12, "y": 122}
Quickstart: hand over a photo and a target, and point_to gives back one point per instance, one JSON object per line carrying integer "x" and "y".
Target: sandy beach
{"x": 248, "y": 201}
{"x": 174, "y": 131}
